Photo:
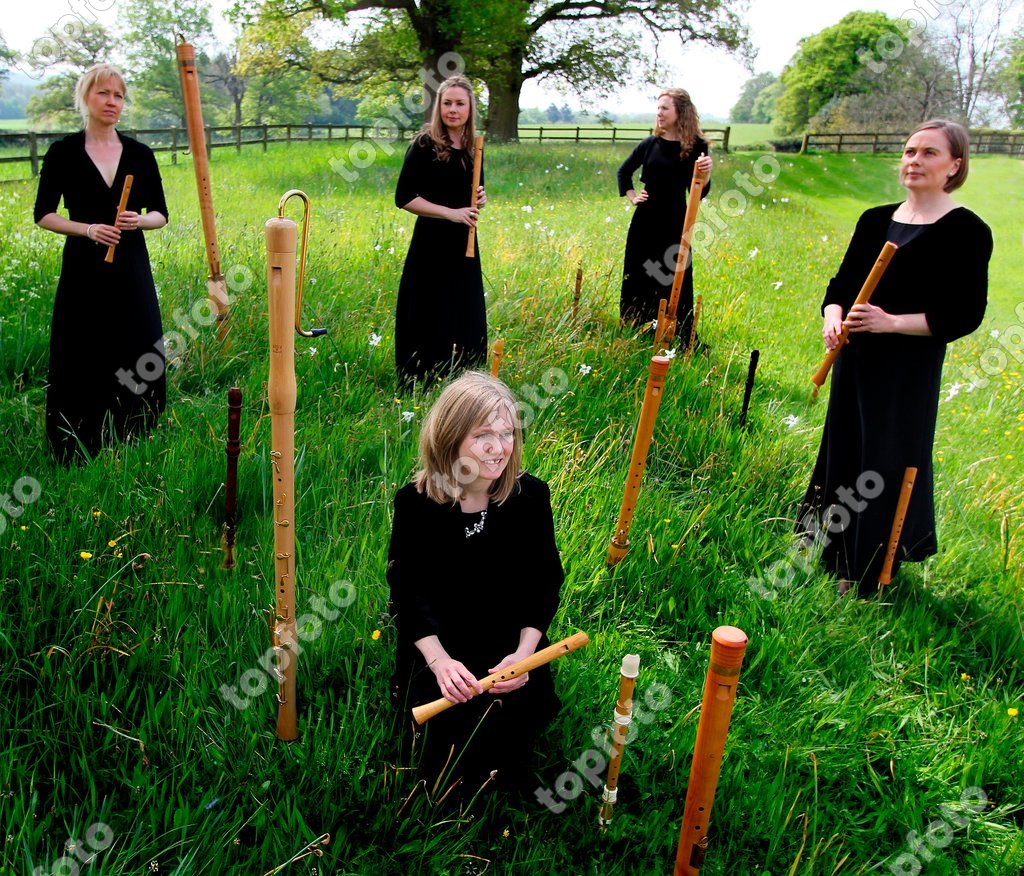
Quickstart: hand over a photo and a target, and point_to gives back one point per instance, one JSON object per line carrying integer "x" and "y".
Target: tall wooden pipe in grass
{"x": 231, "y": 480}
{"x": 576, "y": 293}
{"x": 424, "y": 713}
{"x": 666, "y": 329}
{"x": 478, "y": 158}
{"x": 881, "y": 263}
{"x": 215, "y": 285}
{"x": 284, "y": 299}
{"x": 641, "y": 444}
{"x": 622, "y": 719}
{"x": 496, "y": 353}
{"x": 728, "y": 645}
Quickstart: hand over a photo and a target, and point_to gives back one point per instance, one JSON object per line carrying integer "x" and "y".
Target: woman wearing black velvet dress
{"x": 106, "y": 377}
{"x": 441, "y": 320}
{"x": 885, "y": 384}
{"x": 474, "y": 575}
{"x": 668, "y": 159}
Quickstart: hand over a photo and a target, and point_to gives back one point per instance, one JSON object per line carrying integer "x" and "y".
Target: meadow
{"x": 859, "y": 725}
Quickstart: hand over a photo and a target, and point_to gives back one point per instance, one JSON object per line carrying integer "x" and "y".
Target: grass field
{"x": 856, "y": 722}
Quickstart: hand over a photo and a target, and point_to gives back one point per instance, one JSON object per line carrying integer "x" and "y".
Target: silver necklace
{"x": 477, "y": 527}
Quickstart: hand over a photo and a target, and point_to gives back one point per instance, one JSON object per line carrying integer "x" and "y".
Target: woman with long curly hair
{"x": 668, "y": 159}
{"x": 441, "y": 321}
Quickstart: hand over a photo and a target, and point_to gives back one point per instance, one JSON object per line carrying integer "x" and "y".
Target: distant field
{"x": 13, "y": 124}
{"x": 739, "y": 135}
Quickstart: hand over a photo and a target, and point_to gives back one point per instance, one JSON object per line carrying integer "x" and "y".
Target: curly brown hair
{"x": 687, "y": 125}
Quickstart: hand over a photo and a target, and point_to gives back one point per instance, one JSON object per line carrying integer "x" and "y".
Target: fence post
{"x": 265, "y": 137}
{"x": 209, "y": 141}
{"x": 577, "y": 133}
{"x": 238, "y": 139}
{"x": 614, "y": 130}
{"x": 725, "y": 138}
{"x": 174, "y": 145}
{"x": 839, "y": 147}
{"x": 874, "y": 143}
{"x": 309, "y": 133}
{"x": 804, "y": 144}
{"x": 288, "y": 133}
{"x": 33, "y": 152}
{"x": 540, "y": 133}
{"x": 330, "y": 129}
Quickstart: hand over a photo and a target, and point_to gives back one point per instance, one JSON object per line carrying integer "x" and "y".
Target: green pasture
{"x": 857, "y": 724}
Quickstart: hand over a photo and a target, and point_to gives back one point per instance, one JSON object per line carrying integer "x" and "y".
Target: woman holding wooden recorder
{"x": 106, "y": 376}
{"x": 474, "y": 575}
{"x": 441, "y": 320}
{"x": 886, "y": 381}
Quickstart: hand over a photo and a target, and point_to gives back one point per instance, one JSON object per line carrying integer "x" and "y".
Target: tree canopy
{"x": 586, "y": 47}
{"x": 826, "y": 66}
{"x": 747, "y": 108}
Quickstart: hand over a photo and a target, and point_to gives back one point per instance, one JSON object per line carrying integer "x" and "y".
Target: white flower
{"x": 311, "y": 351}
{"x": 407, "y": 416}
{"x": 585, "y": 369}
{"x": 670, "y": 354}
{"x": 791, "y": 420}
{"x": 526, "y": 225}
{"x": 753, "y": 253}
{"x": 954, "y": 390}
{"x": 526, "y": 208}
{"x": 824, "y": 238}
{"x": 654, "y": 323}
{"x": 551, "y": 233}
{"x": 994, "y": 333}
{"x": 764, "y": 206}
{"x": 777, "y": 284}
{"x": 607, "y": 218}
{"x": 374, "y": 339}
{"x": 376, "y": 247}
{"x": 391, "y": 250}
{"x": 401, "y": 229}
{"x": 784, "y": 200}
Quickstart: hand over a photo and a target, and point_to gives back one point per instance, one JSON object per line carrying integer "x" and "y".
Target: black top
{"x": 475, "y": 594}
{"x": 440, "y": 317}
{"x": 885, "y": 387}
{"x": 106, "y": 342}
{"x": 901, "y": 233}
{"x": 663, "y": 174}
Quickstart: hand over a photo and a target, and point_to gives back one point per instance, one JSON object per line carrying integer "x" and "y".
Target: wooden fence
{"x": 982, "y": 142}
{"x": 175, "y": 140}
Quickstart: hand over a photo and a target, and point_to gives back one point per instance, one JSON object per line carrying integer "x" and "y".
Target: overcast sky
{"x": 712, "y": 77}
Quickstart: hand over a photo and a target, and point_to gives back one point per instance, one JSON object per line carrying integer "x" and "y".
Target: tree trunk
{"x": 503, "y": 107}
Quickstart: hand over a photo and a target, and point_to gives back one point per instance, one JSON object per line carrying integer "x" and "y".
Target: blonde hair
{"x": 464, "y": 404}
{"x": 97, "y": 73}
{"x": 437, "y": 131}
{"x": 687, "y": 125}
{"x": 959, "y": 147}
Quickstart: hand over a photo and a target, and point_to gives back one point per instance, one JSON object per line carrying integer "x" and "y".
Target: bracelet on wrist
{"x": 88, "y": 231}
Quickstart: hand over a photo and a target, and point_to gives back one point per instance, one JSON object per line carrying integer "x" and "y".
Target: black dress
{"x": 106, "y": 377}
{"x": 885, "y": 390}
{"x": 656, "y": 228}
{"x": 475, "y": 593}
{"x": 441, "y": 320}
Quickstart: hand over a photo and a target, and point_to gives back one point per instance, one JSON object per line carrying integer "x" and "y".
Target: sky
{"x": 712, "y": 76}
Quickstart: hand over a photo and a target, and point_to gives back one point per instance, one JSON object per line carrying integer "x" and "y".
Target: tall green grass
{"x": 855, "y": 721}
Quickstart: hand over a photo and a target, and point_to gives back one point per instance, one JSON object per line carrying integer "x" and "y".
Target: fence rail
{"x": 175, "y": 140}
{"x": 982, "y": 142}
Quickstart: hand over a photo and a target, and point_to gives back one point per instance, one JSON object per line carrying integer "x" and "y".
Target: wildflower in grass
{"x": 407, "y": 416}
{"x": 777, "y": 284}
{"x": 375, "y": 635}
{"x": 607, "y": 218}
{"x": 824, "y": 238}
{"x": 85, "y": 555}
{"x": 526, "y": 208}
{"x": 670, "y": 354}
{"x": 994, "y": 333}
{"x": 526, "y": 225}
{"x": 118, "y": 554}
{"x": 964, "y": 676}
{"x": 504, "y": 833}
{"x": 791, "y": 421}
{"x": 96, "y": 513}
{"x": 784, "y": 200}
{"x": 112, "y": 543}
{"x": 753, "y": 253}
{"x": 311, "y": 351}
{"x": 375, "y": 339}
{"x": 585, "y": 369}
{"x": 1012, "y": 712}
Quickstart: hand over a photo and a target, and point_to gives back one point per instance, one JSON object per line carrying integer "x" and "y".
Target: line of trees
{"x": 344, "y": 60}
{"x": 961, "y": 60}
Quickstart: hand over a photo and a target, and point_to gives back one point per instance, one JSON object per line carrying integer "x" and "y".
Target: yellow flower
{"x": 118, "y": 554}
{"x": 96, "y": 513}
{"x": 23, "y": 528}
{"x": 964, "y": 676}
{"x": 112, "y": 543}
{"x": 1012, "y": 712}
{"x": 85, "y": 555}
{"x": 505, "y": 832}
{"x": 375, "y": 635}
